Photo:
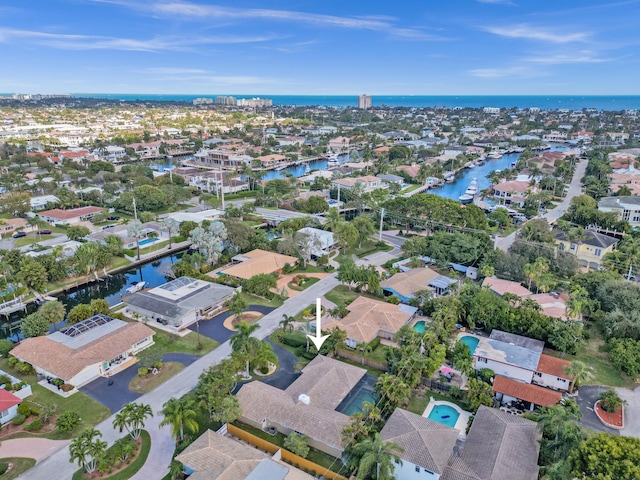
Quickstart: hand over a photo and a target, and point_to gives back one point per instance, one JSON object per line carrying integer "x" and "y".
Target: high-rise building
{"x": 364, "y": 102}
{"x": 225, "y": 100}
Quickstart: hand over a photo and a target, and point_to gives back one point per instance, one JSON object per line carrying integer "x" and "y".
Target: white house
{"x": 626, "y": 207}
{"x": 323, "y": 241}
{"x": 40, "y": 203}
{"x": 69, "y": 217}
{"x": 9, "y": 401}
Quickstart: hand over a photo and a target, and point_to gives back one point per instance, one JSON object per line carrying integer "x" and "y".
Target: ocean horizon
{"x": 544, "y": 102}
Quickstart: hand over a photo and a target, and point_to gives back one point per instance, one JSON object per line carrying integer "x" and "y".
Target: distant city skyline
{"x": 467, "y": 47}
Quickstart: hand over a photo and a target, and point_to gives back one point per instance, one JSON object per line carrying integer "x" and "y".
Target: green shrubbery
{"x": 33, "y": 425}
{"x": 18, "y": 419}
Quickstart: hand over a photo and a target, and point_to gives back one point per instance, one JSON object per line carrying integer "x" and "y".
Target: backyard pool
{"x": 444, "y": 414}
{"x": 471, "y": 342}
{"x": 147, "y": 241}
{"x": 364, "y": 391}
{"x": 419, "y": 326}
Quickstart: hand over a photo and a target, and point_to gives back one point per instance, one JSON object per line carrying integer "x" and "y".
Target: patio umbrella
{"x": 445, "y": 370}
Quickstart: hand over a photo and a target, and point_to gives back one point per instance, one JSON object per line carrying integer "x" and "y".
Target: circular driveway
{"x": 587, "y": 397}
{"x": 215, "y": 329}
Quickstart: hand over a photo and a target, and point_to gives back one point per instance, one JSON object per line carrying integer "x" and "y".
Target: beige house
{"x": 80, "y": 353}
{"x": 69, "y": 217}
{"x": 10, "y": 225}
{"x": 405, "y": 285}
{"x": 589, "y": 250}
{"x": 273, "y": 160}
{"x": 258, "y": 262}
{"x": 307, "y": 406}
{"x": 370, "y": 318}
{"x": 511, "y": 193}
{"x": 213, "y": 456}
{"x": 369, "y": 183}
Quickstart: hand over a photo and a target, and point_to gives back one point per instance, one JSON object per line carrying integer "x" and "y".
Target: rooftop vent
{"x": 304, "y": 398}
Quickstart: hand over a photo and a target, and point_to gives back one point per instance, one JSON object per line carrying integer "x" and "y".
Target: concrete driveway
{"x": 631, "y": 411}
{"x": 113, "y": 392}
{"x": 215, "y": 329}
{"x": 36, "y": 448}
{"x": 587, "y": 397}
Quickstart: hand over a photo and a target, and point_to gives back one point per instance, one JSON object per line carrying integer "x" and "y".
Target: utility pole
{"x": 135, "y": 210}
{"x": 338, "y": 197}
{"x": 221, "y": 187}
{"x": 381, "y": 221}
{"x": 629, "y": 273}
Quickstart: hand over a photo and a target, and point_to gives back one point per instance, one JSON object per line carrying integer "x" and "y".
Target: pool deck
{"x": 463, "y": 419}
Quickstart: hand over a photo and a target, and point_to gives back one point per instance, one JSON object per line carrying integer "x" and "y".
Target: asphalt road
{"x": 587, "y": 397}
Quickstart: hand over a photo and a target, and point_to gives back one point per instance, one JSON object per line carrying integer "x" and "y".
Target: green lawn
{"x": 154, "y": 247}
{"x": 168, "y": 343}
{"x": 341, "y": 295}
{"x": 90, "y": 411}
{"x": 20, "y": 465}
{"x": 367, "y": 248}
{"x": 132, "y": 468}
{"x": 308, "y": 269}
{"x": 255, "y": 300}
{"x": 306, "y": 284}
{"x": 411, "y": 188}
{"x": 593, "y": 353}
{"x": 151, "y": 381}
{"x": 315, "y": 456}
{"x": 30, "y": 240}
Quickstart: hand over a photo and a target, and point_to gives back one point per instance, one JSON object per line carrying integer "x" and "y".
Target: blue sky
{"x": 419, "y": 47}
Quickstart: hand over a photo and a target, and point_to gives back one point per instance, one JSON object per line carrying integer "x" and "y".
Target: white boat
{"x": 307, "y": 170}
{"x": 135, "y": 287}
{"x": 494, "y": 155}
{"x": 470, "y": 192}
{"x": 332, "y": 160}
{"x": 280, "y": 167}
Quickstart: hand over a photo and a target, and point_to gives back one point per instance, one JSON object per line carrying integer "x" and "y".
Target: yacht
{"x": 470, "y": 192}
{"x": 135, "y": 287}
{"x": 332, "y": 160}
{"x": 494, "y": 155}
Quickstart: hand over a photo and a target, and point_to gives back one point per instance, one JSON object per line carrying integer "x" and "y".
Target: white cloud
{"x": 516, "y": 71}
{"x": 560, "y": 59}
{"x": 529, "y": 32}
{"x": 170, "y": 71}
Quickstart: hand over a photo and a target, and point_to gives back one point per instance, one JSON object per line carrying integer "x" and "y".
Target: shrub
{"x": 129, "y": 252}
{"x": 143, "y": 372}
{"x": 157, "y": 364}
{"x": 17, "y": 386}
{"x": 5, "y": 380}
{"x": 375, "y": 343}
{"x": 3, "y": 468}
{"x": 293, "y": 339}
{"x": 18, "y": 419}
{"x": 66, "y": 387}
{"x": 67, "y": 421}
{"x": 24, "y": 367}
{"x": 486, "y": 374}
{"x": 264, "y": 370}
{"x": 12, "y": 361}
{"x": 33, "y": 425}
{"x": 5, "y": 347}
{"x": 24, "y": 409}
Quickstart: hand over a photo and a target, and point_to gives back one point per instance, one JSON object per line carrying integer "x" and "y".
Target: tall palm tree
{"x": 376, "y": 459}
{"x": 87, "y": 450}
{"x": 243, "y": 344}
{"x": 132, "y": 417}
{"x": 136, "y": 230}
{"x": 333, "y": 219}
{"x": 579, "y": 372}
{"x": 287, "y": 322}
{"x": 180, "y": 414}
{"x": 172, "y": 226}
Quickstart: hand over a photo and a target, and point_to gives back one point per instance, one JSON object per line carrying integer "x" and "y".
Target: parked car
{"x": 113, "y": 218}
{"x": 19, "y": 235}
{"x": 44, "y": 232}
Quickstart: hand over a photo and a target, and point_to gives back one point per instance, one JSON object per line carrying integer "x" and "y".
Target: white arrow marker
{"x": 318, "y": 340}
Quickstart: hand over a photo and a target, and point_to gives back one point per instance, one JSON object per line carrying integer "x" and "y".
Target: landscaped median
{"x": 610, "y": 419}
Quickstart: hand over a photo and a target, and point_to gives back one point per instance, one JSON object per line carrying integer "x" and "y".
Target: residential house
{"x": 69, "y": 217}
{"x": 227, "y": 157}
{"x": 625, "y": 207}
{"x": 589, "y": 250}
{"x": 75, "y": 155}
{"x": 273, "y": 161}
{"x": 307, "y": 406}
{"x": 9, "y": 400}
{"x": 369, "y": 319}
{"x": 391, "y": 179}
{"x": 368, "y": 183}
{"x": 257, "y": 262}
{"x": 405, "y": 285}
{"x": 339, "y": 144}
{"x": 80, "y": 353}
{"x": 214, "y": 181}
{"x": 10, "y": 225}
{"x": 42, "y": 202}
{"x": 323, "y": 241}
{"x": 179, "y": 303}
{"x": 511, "y": 192}
{"x": 500, "y": 287}
{"x": 499, "y": 446}
{"x": 551, "y": 304}
{"x": 427, "y": 445}
{"x": 150, "y": 228}
{"x": 213, "y": 456}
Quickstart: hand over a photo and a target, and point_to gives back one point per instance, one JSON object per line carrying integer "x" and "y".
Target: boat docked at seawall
{"x": 470, "y": 192}
{"x": 333, "y": 161}
{"x": 135, "y": 287}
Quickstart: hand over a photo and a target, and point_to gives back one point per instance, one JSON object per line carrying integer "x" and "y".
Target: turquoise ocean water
{"x": 577, "y": 102}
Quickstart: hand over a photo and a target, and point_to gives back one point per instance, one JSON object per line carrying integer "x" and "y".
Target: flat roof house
{"x": 370, "y": 318}
{"x": 307, "y": 406}
{"x": 180, "y": 302}
{"x": 258, "y": 262}
{"x": 213, "y": 456}
{"x": 85, "y": 351}
{"x": 69, "y": 217}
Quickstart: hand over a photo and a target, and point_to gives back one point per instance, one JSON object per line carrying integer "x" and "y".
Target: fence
{"x": 357, "y": 358}
{"x": 285, "y": 455}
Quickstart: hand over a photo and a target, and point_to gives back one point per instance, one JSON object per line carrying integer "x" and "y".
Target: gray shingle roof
{"x": 426, "y": 443}
{"x": 615, "y": 202}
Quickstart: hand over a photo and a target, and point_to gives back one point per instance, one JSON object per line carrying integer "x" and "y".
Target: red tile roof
{"x": 8, "y": 400}
{"x": 553, "y": 366}
{"x": 73, "y": 213}
{"x": 529, "y": 393}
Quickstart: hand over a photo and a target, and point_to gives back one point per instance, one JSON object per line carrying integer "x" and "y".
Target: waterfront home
{"x": 590, "y": 249}
{"x": 218, "y": 456}
{"x": 227, "y": 157}
{"x": 178, "y": 303}
{"x": 405, "y": 285}
{"x": 499, "y": 446}
{"x": 339, "y": 144}
{"x": 389, "y": 179}
{"x": 307, "y": 406}
{"x": 369, "y": 319}
{"x": 257, "y": 262}
{"x": 80, "y": 353}
{"x": 152, "y": 232}
{"x": 214, "y": 182}
{"x": 274, "y": 160}
{"x": 322, "y": 241}
{"x": 510, "y": 193}
{"x": 368, "y": 183}
{"x": 69, "y": 217}
{"x": 427, "y": 445}
{"x": 625, "y": 207}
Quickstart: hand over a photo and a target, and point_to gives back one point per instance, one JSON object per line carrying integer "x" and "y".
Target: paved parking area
{"x": 631, "y": 411}
{"x": 215, "y": 329}
{"x": 286, "y": 374}
{"x": 587, "y": 397}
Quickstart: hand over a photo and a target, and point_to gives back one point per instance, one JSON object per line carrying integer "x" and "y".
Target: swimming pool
{"x": 364, "y": 391}
{"x": 147, "y": 241}
{"x": 419, "y": 326}
{"x": 444, "y": 414}
{"x": 471, "y": 342}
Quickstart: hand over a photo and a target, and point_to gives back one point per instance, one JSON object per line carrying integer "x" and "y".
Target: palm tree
{"x": 243, "y": 344}
{"x": 87, "y": 450}
{"x": 376, "y": 459}
{"x": 338, "y": 336}
{"x": 172, "y": 226}
{"x": 136, "y": 230}
{"x": 578, "y": 299}
{"x": 364, "y": 348}
{"x": 287, "y": 322}
{"x": 180, "y": 415}
{"x": 333, "y": 219}
{"x": 265, "y": 355}
{"x": 579, "y": 372}
{"x": 132, "y": 417}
